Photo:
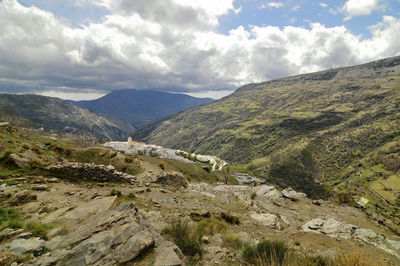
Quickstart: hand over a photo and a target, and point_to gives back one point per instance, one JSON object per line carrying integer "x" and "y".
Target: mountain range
{"x": 59, "y": 115}
{"x": 335, "y": 132}
{"x": 141, "y": 107}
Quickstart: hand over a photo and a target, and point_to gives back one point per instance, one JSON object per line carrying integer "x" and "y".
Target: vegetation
{"x": 326, "y": 133}
{"x": 185, "y": 237}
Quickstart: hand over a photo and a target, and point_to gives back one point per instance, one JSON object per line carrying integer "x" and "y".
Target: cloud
{"x": 323, "y": 4}
{"x": 354, "y": 8}
{"x": 271, "y": 5}
{"x": 144, "y": 47}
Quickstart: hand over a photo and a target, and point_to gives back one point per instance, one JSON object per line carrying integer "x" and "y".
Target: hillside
{"x": 141, "y": 107}
{"x": 62, "y": 204}
{"x": 59, "y": 115}
{"x": 339, "y": 128}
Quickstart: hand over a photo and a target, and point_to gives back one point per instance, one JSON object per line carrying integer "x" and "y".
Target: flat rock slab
{"x": 168, "y": 254}
{"x": 90, "y": 208}
{"x": 22, "y": 246}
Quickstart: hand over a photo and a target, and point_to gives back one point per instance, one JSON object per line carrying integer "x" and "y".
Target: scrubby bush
{"x": 185, "y": 238}
{"x": 115, "y": 192}
{"x": 266, "y": 253}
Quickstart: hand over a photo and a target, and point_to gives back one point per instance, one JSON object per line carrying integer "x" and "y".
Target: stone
{"x": 22, "y": 197}
{"x": 54, "y": 232}
{"x": 267, "y": 191}
{"x": 23, "y": 246}
{"x": 266, "y": 219}
{"x": 205, "y": 240}
{"x": 366, "y": 235}
{"x": 313, "y": 225}
{"x": 168, "y": 254}
{"x": 172, "y": 179}
{"x": 56, "y": 216}
{"x": 42, "y": 187}
{"x": 24, "y": 159}
{"x": 90, "y": 208}
{"x": 293, "y": 195}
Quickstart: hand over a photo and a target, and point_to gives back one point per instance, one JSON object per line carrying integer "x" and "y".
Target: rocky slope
{"x": 141, "y": 108}
{"x": 335, "y": 132}
{"x": 58, "y": 115}
{"x": 57, "y": 212}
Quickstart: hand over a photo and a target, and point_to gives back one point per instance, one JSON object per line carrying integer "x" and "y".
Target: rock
{"x": 267, "y": 191}
{"x": 24, "y": 235}
{"x": 55, "y": 216}
{"x": 366, "y": 235}
{"x": 293, "y": 195}
{"x": 317, "y": 202}
{"x": 90, "y": 208}
{"x": 54, "y": 232}
{"x": 24, "y": 159}
{"x": 172, "y": 179}
{"x": 247, "y": 179}
{"x": 168, "y": 254}
{"x": 330, "y": 227}
{"x": 40, "y": 187}
{"x": 313, "y": 225}
{"x": 23, "y": 246}
{"x": 22, "y": 197}
{"x": 266, "y": 219}
{"x": 205, "y": 240}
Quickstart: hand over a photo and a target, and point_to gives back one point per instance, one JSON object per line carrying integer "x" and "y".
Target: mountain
{"x": 141, "y": 107}
{"x": 335, "y": 132}
{"x": 59, "y": 115}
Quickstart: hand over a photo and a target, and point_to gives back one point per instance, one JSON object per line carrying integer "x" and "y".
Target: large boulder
{"x": 113, "y": 237}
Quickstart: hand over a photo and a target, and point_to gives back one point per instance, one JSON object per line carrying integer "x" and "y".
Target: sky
{"x": 83, "y": 49}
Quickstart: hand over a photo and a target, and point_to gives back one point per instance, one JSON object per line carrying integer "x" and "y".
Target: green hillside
{"x": 339, "y": 128}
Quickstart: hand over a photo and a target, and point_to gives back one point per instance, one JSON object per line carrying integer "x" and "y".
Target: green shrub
{"x": 39, "y": 229}
{"x": 115, "y": 192}
{"x": 266, "y": 252}
{"x": 10, "y": 218}
{"x": 210, "y": 227}
{"x": 185, "y": 238}
{"x": 233, "y": 241}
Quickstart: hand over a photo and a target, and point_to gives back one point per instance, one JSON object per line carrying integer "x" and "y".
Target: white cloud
{"x": 144, "y": 47}
{"x": 295, "y": 8}
{"x": 271, "y": 5}
{"x": 323, "y": 4}
{"x": 354, "y": 8}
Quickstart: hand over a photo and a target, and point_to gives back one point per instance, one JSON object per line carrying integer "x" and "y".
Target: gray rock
{"x": 267, "y": 191}
{"x": 293, "y": 195}
{"x": 313, "y": 225}
{"x": 90, "y": 208}
{"x": 266, "y": 219}
{"x": 168, "y": 254}
{"x": 23, "y": 246}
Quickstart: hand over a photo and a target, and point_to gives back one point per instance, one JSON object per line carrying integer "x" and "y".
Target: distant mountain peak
{"x": 142, "y": 107}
